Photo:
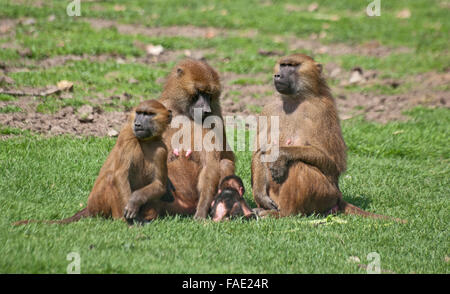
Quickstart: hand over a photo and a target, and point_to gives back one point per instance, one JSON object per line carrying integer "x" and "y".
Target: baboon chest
{"x": 142, "y": 173}
{"x": 295, "y": 127}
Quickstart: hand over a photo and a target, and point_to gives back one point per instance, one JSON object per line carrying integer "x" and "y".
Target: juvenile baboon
{"x": 135, "y": 171}
{"x": 312, "y": 153}
{"x": 195, "y": 174}
{"x": 229, "y": 201}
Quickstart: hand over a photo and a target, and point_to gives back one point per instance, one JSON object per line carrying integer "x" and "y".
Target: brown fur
{"x": 229, "y": 201}
{"x": 312, "y": 151}
{"x": 195, "y": 178}
{"x": 135, "y": 170}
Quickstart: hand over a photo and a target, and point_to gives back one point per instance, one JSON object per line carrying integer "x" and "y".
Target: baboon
{"x": 312, "y": 152}
{"x": 194, "y": 86}
{"x": 229, "y": 201}
{"x": 135, "y": 171}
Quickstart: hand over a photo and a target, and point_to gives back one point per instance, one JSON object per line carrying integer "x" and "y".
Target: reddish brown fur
{"x": 195, "y": 178}
{"x": 134, "y": 168}
{"x": 229, "y": 201}
{"x": 233, "y": 182}
{"x": 311, "y": 144}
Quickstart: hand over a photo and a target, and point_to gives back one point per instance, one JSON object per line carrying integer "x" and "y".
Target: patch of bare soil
{"x": 313, "y": 43}
{"x": 25, "y": 64}
{"x": 7, "y": 27}
{"x": 173, "y": 31}
{"x": 244, "y": 99}
{"x": 237, "y": 99}
{"x": 66, "y": 121}
{"x": 384, "y": 108}
{"x": 374, "y": 107}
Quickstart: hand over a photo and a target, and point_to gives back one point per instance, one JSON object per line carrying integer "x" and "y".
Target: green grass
{"x": 10, "y": 108}
{"x": 5, "y": 97}
{"x": 425, "y": 33}
{"x": 13, "y": 131}
{"x": 399, "y": 169}
{"x": 404, "y": 175}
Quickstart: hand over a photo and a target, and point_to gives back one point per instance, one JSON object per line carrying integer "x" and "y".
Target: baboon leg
{"x": 207, "y": 187}
{"x": 263, "y": 213}
{"x": 226, "y": 168}
{"x": 260, "y": 184}
{"x": 307, "y": 191}
{"x": 105, "y": 201}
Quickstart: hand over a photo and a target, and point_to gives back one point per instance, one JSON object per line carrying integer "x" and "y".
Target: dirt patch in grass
{"x": 65, "y": 121}
{"x": 26, "y": 64}
{"x": 425, "y": 91}
{"x": 242, "y": 95}
{"x": 313, "y": 43}
{"x": 187, "y": 31}
{"x": 246, "y": 99}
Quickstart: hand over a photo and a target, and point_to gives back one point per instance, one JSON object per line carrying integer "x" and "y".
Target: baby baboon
{"x": 229, "y": 201}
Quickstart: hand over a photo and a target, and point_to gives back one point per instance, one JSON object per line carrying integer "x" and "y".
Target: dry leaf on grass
{"x": 65, "y": 85}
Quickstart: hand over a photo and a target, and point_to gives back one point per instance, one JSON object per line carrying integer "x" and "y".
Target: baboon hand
{"x": 131, "y": 210}
{"x": 279, "y": 169}
{"x": 266, "y": 202}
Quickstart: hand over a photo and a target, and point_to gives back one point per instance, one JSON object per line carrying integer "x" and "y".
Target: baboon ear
{"x": 180, "y": 72}
{"x": 319, "y": 67}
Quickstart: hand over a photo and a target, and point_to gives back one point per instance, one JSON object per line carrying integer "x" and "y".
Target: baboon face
{"x": 143, "y": 126}
{"x": 198, "y": 87}
{"x": 151, "y": 118}
{"x": 295, "y": 74}
{"x": 285, "y": 79}
{"x": 201, "y": 104}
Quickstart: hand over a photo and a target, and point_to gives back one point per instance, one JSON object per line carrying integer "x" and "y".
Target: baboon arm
{"x": 226, "y": 168}
{"x": 260, "y": 182}
{"x": 310, "y": 155}
{"x": 153, "y": 191}
{"x": 207, "y": 186}
{"x": 245, "y": 208}
{"x": 227, "y": 159}
{"x": 122, "y": 183}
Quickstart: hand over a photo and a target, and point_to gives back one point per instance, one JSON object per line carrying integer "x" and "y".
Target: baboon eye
{"x": 290, "y": 64}
{"x": 200, "y": 93}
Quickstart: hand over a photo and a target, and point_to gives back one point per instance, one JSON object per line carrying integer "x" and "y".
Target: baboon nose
{"x": 277, "y": 77}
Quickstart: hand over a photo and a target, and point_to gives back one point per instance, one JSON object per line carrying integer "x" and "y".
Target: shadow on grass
{"x": 361, "y": 202}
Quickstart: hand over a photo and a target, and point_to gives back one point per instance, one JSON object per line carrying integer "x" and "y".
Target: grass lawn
{"x": 400, "y": 169}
